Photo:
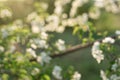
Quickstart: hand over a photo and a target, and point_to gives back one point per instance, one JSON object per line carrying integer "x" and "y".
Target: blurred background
{"x": 82, "y": 60}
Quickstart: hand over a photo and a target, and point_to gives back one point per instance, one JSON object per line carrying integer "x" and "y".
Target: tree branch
{"x": 75, "y": 48}
{"x": 78, "y": 47}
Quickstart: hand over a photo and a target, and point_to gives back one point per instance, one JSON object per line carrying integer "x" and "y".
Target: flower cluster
{"x": 97, "y": 52}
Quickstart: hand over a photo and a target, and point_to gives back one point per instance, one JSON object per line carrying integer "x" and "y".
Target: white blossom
{"x": 32, "y": 52}
{"x": 108, "y": 40}
{"x": 114, "y": 67}
{"x": 117, "y": 32}
{"x": 60, "y": 44}
{"x": 114, "y": 77}
{"x": 82, "y": 19}
{"x": 94, "y": 13}
{"x": 39, "y": 59}
{"x": 76, "y": 76}
{"x": 34, "y": 46}
{"x": 99, "y": 3}
{"x": 96, "y": 52}
{"x": 36, "y": 26}
{"x": 103, "y": 75}
{"x": 5, "y": 13}
{"x": 58, "y": 9}
{"x": 53, "y": 23}
{"x": 57, "y": 72}
{"x": 32, "y": 16}
{"x": 39, "y": 43}
{"x": 45, "y": 57}
{"x": 44, "y": 35}
{"x": 111, "y": 6}
{"x": 1, "y": 49}
{"x": 42, "y": 44}
{"x": 60, "y": 29}
{"x": 35, "y": 71}
{"x": 5, "y": 33}
{"x": 75, "y": 5}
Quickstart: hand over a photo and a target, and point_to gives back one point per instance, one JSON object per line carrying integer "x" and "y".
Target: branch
{"x": 78, "y": 47}
{"x": 75, "y": 48}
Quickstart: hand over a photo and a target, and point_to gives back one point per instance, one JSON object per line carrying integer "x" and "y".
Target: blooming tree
{"x": 26, "y": 46}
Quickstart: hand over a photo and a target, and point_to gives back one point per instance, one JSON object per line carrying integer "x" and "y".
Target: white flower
{"x": 44, "y": 35}
{"x": 99, "y": 3}
{"x": 5, "y": 33}
{"x": 58, "y": 9}
{"x": 114, "y": 67}
{"x": 60, "y": 29}
{"x": 96, "y": 52}
{"x": 94, "y": 13}
{"x": 114, "y": 77}
{"x": 108, "y": 40}
{"x": 45, "y": 58}
{"x": 40, "y": 43}
{"x": 1, "y": 49}
{"x": 76, "y": 76}
{"x": 33, "y": 46}
{"x": 103, "y": 75}
{"x": 60, "y": 44}
{"x": 5, "y": 13}
{"x": 39, "y": 59}
{"x": 117, "y": 32}
{"x": 35, "y": 71}
{"x": 32, "y": 52}
{"x": 36, "y": 26}
{"x": 82, "y": 19}
{"x": 32, "y": 16}
{"x": 57, "y": 72}
{"x": 75, "y": 5}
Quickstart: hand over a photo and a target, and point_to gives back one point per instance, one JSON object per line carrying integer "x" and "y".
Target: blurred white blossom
{"x": 96, "y": 52}
{"x": 53, "y": 23}
{"x": 76, "y": 76}
{"x": 117, "y": 32}
{"x": 114, "y": 67}
{"x": 94, "y": 13}
{"x": 32, "y": 16}
{"x": 60, "y": 44}
{"x": 39, "y": 43}
{"x": 5, "y": 13}
{"x": 108, "y": 40}
{"x": 32, "y": 52}
{"x": 45, "y": 57}
{"x": 5, "y": 33}
{"x": 75, "y": 5}
{"x": 111, "y": 6}
{"x": 34, "y": 46}
{"x": 57, "y": 72}
{"x": 1, "y": 49}
{"x": 35, "y": 71}
{"x": 99, "y": 3}
{"x": 103, "y": 75}
{"x": 114, "y": 77}
{"x": 44, "y": 35}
